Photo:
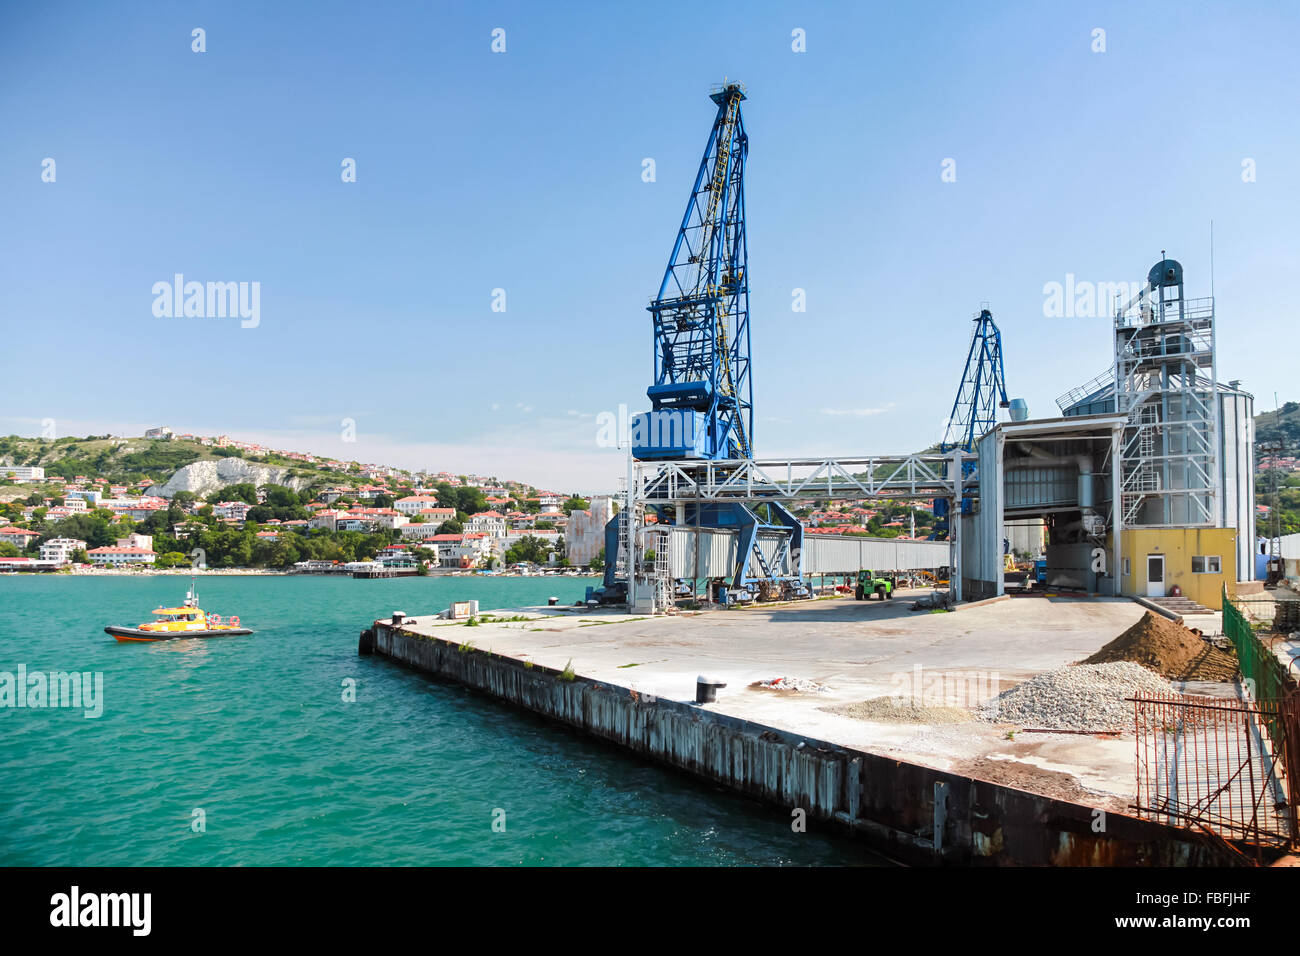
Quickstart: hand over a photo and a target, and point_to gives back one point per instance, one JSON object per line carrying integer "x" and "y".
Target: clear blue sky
{"x": 522, "y": 171}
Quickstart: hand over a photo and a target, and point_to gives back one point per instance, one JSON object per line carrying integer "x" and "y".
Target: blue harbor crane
{"x": 702, "y": 396}
{"x": 701, "y": 399}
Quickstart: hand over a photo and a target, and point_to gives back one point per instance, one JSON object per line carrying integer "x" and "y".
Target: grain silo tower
{"x": 1187, "y": 463}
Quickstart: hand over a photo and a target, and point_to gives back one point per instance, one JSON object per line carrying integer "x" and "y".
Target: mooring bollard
{"x": 706, "y": 689}
{"x": 552, "y": 601}
{"x": 398, "y": 618}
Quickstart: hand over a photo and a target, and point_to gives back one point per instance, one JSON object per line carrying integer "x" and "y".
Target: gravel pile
{"x": 1078, "y": 697}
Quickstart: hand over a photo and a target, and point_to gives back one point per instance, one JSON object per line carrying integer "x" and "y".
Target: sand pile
{"x": 1169, "y": 649}
{"x": 894, "y": 710}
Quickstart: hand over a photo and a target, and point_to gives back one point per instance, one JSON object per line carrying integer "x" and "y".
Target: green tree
{"x": 242, "y": 491}
{"x": 462, "y": 498}
{"x": 94, "y": 528}
{"x": 529, "y": 549}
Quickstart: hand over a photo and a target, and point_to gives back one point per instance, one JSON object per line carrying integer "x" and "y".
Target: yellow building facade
{"x": 1199, "y": 562}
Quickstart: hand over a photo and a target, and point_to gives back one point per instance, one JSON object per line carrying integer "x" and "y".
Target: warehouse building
{"x": 1145, "y": 484}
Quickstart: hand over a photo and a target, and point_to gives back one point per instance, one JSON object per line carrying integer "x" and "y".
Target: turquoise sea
{"x": 254, "y": 732}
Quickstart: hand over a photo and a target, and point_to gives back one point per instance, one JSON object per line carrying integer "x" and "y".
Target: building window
{"x": 1126, "y": 567}
{"x": 1207, "y": 564}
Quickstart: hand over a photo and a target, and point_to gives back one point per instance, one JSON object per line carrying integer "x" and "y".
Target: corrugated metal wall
{"x": 1041, "y": 486}
{"x": 827, "y": 554}
{"x": 716, "y": 551}
{"x": 1237, "y": 473}
{"x": 981, "y": 532}
{"x": 822, "y": 554}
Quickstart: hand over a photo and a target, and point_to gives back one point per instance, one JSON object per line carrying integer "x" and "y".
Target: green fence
{"x": 1266, "y": 676}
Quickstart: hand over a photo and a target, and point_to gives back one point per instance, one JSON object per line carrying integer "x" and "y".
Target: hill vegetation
{"x": 129, "y": 460}
{"x": 1277, "y": 433}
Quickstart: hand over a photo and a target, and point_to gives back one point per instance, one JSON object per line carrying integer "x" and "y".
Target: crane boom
{"x": 702, "y": 396}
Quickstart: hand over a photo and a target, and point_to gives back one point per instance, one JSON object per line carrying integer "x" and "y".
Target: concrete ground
{"x": 858, "y": 650}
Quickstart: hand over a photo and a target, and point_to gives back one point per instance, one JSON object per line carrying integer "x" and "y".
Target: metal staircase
{"x": 1164, "y": 384}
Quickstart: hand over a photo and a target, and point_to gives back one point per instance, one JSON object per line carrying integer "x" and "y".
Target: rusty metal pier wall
{"x": 912, "y": 813}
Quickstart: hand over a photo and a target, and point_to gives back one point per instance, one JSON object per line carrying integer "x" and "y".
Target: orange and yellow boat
{"x": 188, "y": 620}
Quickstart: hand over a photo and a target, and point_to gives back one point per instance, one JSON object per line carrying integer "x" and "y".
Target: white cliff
{"x": 205, "y": 477}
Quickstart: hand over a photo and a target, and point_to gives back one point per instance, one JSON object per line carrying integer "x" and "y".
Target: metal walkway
{"x": 879, "y": 476}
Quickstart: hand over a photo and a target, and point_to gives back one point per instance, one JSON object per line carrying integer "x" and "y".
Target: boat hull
{"x": 135, "y": 634}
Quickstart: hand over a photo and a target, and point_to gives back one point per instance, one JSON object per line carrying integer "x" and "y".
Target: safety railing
{"x": 1208, "y": 763}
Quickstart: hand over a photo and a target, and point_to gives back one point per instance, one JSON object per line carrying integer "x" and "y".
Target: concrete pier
{"x": 950, "y": 794}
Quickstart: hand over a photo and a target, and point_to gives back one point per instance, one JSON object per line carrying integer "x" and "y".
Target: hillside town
{"x": 372, "y": 519}
{"x": 374, "y": 515}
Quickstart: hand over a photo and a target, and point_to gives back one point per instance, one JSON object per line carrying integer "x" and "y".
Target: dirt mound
{"x": 1169, "y": 649}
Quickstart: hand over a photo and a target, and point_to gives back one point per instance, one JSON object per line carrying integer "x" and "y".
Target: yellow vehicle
{"x": 189, "y": 620}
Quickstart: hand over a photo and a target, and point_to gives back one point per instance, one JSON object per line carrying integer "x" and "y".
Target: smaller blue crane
{"x": 983, "y": 390}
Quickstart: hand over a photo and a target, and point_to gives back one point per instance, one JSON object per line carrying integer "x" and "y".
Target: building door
{"x": 1155, "y": 575}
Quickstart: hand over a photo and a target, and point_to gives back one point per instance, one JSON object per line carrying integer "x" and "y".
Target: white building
{"x": 491, "y": 523}
{"x": 18, "y": 537}
{"x": 22, "y": 472}
{"x": 326, "y": 518}
{"x": 116, "y": 554}
{"x": 437, "y": 515}
{"x": 420, "y": 532}
{"x": 412, "y": 504}
{"x": 236, "y": 510}
{"x": 460, "y": 550}
{"x": 396, "y": 556}
{"x": 349, "y": 522}
{"x": 474, "y": 548}
{"x": 387, "y": 517}
{"x": 60, "y": 549}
